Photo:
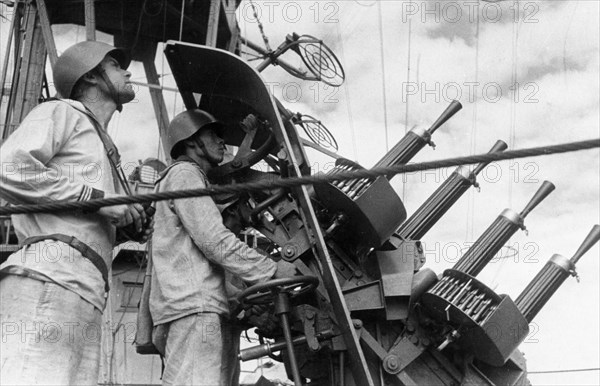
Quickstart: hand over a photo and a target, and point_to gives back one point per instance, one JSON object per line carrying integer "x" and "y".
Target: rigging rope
{"x": 347, "y": 93}
{"x": 181, "y": 19}
{"x": 406, "y": 96}
{"x": 564, "y": 371}
{"x": 513, "y": 104}
{"x": 276, "y": 182}
{"x": 260, "y": 27}
{"x": 471, "y": 203}
{"x": 513, "y": 121}
{"x": 382, "y": 57}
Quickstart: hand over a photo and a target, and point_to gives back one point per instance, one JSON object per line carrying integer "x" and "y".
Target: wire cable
{"x": 406, "y": 96}
{"x": 471, "y": 203}
{"x": 383, "y": 87}
{"x": 181, "y": 20}
{"x": 286, "y": 183}
{"x": 347, "y": 93}
{"x": 563, "y": 371}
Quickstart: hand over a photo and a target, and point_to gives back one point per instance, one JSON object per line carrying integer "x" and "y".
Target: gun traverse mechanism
{"x": 375, "y": 317}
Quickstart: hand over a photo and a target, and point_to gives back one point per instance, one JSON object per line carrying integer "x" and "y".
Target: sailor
{"x": 53, "y": 290}
{"x": 191, "y": 251}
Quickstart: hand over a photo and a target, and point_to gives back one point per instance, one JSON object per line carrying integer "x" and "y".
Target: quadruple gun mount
{"x": 363, "y": 310}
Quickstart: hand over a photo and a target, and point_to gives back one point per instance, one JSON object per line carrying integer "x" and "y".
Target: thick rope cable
{"x": 277, "y": 182}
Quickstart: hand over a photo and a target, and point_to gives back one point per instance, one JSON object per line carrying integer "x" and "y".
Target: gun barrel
{"x": 443, "y": 199}
{"x": 544, "y": 190}
{"x": 452, "y": 109}
{"x": 489, "y": 243}
{"x": 416, "y": 139}
{"x": 550, "y": 278}
{"x": 436, "y": 205}
{"x": 501, "y": 230}
{"x": 498, "y": 146}
{"x": 405, "y": 149}
{"x": 591, "y": 239}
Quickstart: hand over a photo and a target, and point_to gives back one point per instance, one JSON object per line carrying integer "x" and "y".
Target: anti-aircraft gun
{"x": 361, "y": 311}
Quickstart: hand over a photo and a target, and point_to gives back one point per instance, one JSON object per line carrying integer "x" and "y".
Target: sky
{"x": 526, "y": 72}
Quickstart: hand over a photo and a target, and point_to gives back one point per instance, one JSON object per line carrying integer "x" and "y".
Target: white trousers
{"x": 50, "y": 335}
{"x": 201, "y": 349}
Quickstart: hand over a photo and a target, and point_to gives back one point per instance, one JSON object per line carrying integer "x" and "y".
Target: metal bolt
{"x": 289, "y": 251}
{"x": 391, "y": 364}
{"x": 357, "y": 323}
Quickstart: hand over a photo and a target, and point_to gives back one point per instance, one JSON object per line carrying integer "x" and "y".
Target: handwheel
{"x": 245, "y": 157}
{"x": 265, "y": 293}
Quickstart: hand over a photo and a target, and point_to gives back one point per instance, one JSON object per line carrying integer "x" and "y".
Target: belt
{"x": 24, "y": 272}
{"x": 76, "y": 244}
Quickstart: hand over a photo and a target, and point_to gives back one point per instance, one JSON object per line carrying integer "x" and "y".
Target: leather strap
{"x": 74, "y": 243}
{"x": 109, "y": 146}
{"x": 111, "y": 152}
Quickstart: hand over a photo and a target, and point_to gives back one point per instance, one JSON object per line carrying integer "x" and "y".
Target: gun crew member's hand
{"x": 123, "y": 215}
{"x": 252, "y": 122}
{"x": 148, "y": 230}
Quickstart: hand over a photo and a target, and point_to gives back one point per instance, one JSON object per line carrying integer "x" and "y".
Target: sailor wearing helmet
{"x": 191, "y": 251}
{"x": 56, "y": 285}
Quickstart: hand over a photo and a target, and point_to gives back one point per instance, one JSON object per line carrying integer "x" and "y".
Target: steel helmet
{"x": 81, "y": 58}
{"x": 188, "y": 123}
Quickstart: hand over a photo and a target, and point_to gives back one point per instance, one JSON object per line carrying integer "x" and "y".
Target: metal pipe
{"x": 342, "y": 369}
{"x": 318, "y": 148}
{"x": 285, "y": 325}
{"x": 262, "y": 51}
{"x": 154, "y": 86}
{"x": 7, "y": 56}
{"x": 270, "y": 348}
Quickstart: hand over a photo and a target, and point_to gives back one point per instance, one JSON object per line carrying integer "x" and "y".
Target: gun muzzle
{"x": 550, "y": 278}
{"x": 443, "y": 198}
{"x": 501, "y": 230}
{"x": 416, "y": 139}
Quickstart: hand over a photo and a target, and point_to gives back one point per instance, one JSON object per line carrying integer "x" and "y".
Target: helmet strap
{"x": 202, "y": 147}
{"x": 111, "y": 88}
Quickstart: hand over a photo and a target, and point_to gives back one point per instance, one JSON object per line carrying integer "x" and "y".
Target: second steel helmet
{"x": 187, "y": 123}
{"x": 81, "y": 58}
